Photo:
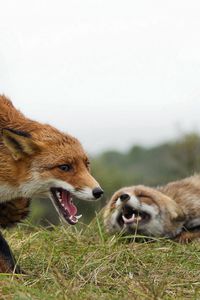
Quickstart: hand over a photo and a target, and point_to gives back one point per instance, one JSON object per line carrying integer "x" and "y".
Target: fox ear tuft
{"x": 19, "y": 143}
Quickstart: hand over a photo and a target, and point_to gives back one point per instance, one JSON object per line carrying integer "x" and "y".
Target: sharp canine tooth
{"x": 78, "y": 217}
{"x": 127, "y": 221}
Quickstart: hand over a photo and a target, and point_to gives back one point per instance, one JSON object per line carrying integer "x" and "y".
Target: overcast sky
{"x": 113, "y": 73}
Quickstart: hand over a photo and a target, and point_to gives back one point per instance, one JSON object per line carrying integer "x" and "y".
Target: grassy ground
{"x": 67, "y": 263}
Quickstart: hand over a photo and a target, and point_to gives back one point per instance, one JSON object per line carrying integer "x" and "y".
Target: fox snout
{"x": 97, "y": 192}
{"x": 124, "y": 197}
{"x": 86, "y": 187}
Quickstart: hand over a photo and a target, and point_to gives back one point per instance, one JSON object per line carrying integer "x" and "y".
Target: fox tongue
{"x": 68, "y": 204}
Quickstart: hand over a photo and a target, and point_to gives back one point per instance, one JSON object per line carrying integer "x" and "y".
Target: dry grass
{"x": 71, "y": 263}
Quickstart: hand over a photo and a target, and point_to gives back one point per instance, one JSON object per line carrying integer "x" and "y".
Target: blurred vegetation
{"x": 140, "y": 165}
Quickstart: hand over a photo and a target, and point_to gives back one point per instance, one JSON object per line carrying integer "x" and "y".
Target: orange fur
{"x": 50, "y": 149}
{"x": 31, "y": 157}
{"x": 53, "y": 148}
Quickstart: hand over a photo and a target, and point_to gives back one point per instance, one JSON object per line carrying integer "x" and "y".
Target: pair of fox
{"x": 39, "y": 161}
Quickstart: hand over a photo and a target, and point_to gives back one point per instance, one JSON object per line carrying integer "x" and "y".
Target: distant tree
{"x": 186, "y": 151}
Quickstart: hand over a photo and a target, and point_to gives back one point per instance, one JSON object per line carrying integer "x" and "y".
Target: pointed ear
{"x": 176, "y": 212}
{"x": 19, "y": 143}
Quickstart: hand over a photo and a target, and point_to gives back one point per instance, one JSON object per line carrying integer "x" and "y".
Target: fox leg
{"x": 186, "y": 237}
{"x": 13, "y": 212}
{"x": 7, "y": 260}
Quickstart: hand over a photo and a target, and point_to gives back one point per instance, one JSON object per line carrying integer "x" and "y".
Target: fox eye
{"x": 88, "y": 164}
{"x": 65, "y": 168}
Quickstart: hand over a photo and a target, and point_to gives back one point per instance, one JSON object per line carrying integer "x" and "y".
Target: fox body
{"x": 37, "y": 160}
{"x": 171, "y": 211}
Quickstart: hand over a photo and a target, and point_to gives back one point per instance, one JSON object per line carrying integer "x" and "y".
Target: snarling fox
{"x": 37, "y": 160}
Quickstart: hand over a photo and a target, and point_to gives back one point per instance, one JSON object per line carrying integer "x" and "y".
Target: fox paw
{"x": 187, "y": 237}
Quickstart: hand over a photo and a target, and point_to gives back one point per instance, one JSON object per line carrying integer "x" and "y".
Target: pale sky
{"x": 113, "y": 73}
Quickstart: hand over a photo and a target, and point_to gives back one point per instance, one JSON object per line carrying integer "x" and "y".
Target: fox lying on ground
{"x": 171, "y": 211}
{"x": 37, "y": 160}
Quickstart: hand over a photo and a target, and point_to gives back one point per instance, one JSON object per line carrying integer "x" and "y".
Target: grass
{"x": 71, "y": 263}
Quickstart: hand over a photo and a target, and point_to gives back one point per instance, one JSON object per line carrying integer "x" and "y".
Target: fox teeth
{"x": 128, "y": 221}
{"x": 58, "y": 194}
{"x": 63, "y": 205}
{"x": 72, "y": 218}
{"x": 78, "y": 217}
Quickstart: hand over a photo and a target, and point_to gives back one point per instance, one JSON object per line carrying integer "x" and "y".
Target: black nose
{"x": 124, "y": 197}
{"x": 97, "y": 192}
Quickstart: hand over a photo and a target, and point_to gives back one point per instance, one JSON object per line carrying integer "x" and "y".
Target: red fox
{"x": 37, "y": 160}
{"x": 171, "y": 211}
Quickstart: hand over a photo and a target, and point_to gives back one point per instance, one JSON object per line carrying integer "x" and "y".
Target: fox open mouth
{"x": 62, "y": 200}
{"x": 131, "y": 216}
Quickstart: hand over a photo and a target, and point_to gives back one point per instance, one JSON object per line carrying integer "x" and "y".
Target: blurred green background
{"x": 139, "y": 165}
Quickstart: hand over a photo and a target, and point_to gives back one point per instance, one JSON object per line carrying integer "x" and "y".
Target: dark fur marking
{"x": 18, "y": 132}
{"x": 13, "y": 212}
{"x": 13, "y": 141}
{"x": 7, "y": 255}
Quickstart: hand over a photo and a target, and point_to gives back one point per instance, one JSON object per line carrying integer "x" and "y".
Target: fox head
{"x": 39, "y": 161}
{"x": 143, "y": 210}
